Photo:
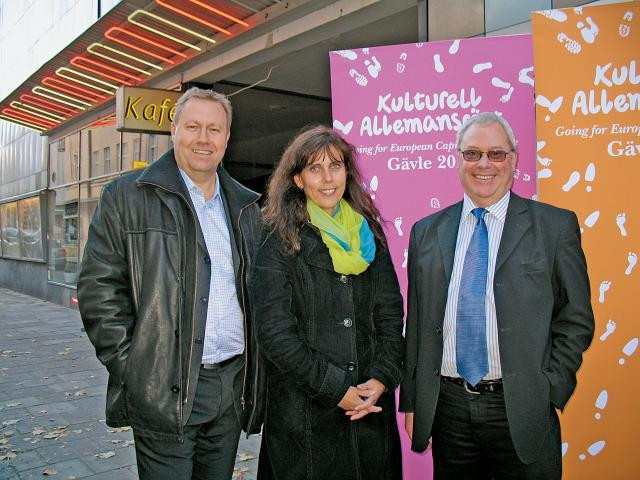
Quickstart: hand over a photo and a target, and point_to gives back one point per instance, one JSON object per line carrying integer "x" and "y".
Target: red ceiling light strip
{"x": 192, "y": 17}
{"x": 75, "y": 61}
{"x": 23, "y": 123}
{"x": 92, "y": 97}
{"x": 91, "y": 91}
{"x": 29, "y": 118}
{"x": 46, "y": 104}
{"x": 220, "y": 12}
{"x": 142, "y": 38}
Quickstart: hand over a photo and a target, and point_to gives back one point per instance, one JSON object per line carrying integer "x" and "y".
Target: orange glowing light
{"x": 39, "y": 102}
{"x": 192, "y": 17}
{"x": 220, "y": 12}
{"x": 30, "y": 118}
{"x": 36, "y": 111}
{"x": 75, "y": 61}
{"x": 53, "y": 83}
{"x": 142, "y": 38}
{"x": 23, "y": 123}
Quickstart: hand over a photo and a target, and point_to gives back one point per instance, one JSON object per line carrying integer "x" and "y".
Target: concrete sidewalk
{"x": 52, "y": 394}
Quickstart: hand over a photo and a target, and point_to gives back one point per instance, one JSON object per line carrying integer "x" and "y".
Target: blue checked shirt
{"x": 494, "y": 218}
{"x": 224, "y": 332}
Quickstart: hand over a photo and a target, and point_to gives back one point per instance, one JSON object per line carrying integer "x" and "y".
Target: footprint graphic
{"x": 590, "y": 174}
{"x": 573, "y": 179}
{"x": 545, "y": 171}
{"x": 591, "y": 220}
{"x": 516, "y": 173}
{"x": 621, "y": 218}
{"x": 344, "y": 128}
{"x": 632, "y": 258}
{"x": 601, "y": 402}
{"x": 437, "y": 63}
{"x": 453, "y": 49}
{"x": 348, "y": 54}
{"x": 609, "y": 329}
{"x": 360, "y": 79}
{"x": 405, "y": 254}
{"x": 629, "y": 349}
{"x": 435, "y": 203}
{"x": 480, "y": 67}
{"x": 400, "y": 66}
{"x": 365, "y": 51}
{"x": 398, "y": 224}
{"x": 594, "y": 449}
{"x": 419, "y": 44}
{"x": 557, "y": 15}
{"x": 577, "y": 10}
{"x": 589, "y": 33}
{"x": 542, "y": 174}
{"x": 373, "y": 185}
{"x": 572, "y": 46}
{"x": 545, "y": 162}
{"x": 552, "y": 106}
{"x": 565, "y": 448}
{"x": 604, "y": 287}
{"x": 523, "y": 76}
{"x": 373, "y": 66}
{"x": 623, "y": 29}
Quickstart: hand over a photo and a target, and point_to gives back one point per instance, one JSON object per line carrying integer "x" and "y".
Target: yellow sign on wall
{"x": 145, "y": 110}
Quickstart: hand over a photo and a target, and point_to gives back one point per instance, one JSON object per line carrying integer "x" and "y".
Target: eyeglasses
{"x": 492, "y": 155}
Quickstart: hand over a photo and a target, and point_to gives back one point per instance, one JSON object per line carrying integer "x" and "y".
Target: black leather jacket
{"x": 142, "y": 292}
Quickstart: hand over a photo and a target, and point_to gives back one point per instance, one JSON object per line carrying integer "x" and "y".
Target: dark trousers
{"x": 471, "y": 440}
{"x": 210, "y": 436}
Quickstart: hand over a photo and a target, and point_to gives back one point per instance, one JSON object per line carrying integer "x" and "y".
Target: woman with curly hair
{"x": 328, "y": 318}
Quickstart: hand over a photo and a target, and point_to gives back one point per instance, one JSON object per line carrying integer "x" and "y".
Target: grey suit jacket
{"x": 544, "y": 315}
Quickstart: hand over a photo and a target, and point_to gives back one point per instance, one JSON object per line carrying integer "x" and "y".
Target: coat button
{"x": 436, "y": 371}
{"x": 343, "y": 278}
{"x": 438, "y": 331}
{"x": 207, "y": 260}
{"x": 347, "y": 322}
{"x": 175, "y": 389}
{"x": 351, "y": 366}
{"x": 203, "y": 299}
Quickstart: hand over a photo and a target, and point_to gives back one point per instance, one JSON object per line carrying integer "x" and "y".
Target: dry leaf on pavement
{"x": 104, "y": 455}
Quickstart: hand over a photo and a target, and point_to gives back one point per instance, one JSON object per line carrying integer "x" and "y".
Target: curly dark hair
{"x": 285, "y": 209}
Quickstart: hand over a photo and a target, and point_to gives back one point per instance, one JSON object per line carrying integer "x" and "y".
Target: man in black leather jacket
{"x": 162, "y": 294}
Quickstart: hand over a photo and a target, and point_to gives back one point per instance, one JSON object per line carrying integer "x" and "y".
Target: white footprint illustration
{"x": 623, "y": 29}
{"x": 507, "y": 96}
{"x": 344, "y": 128}
{"x": 373, "y": 185}
{"x": 572, "y": 46}
{"x": 577, "y": 10}
{"x": 609, "y": 329}
{"x": 544, "y": 161}
{"x": 437, "y": 64}
{"x": 552, "y": 106}
{"x": 591, "y": 220}
{"x": 594, "y": 449}
{"x": 516, "y": 173}
{"x": 523, "y": 76}
{"x": 545, "y": 173}
{"x": 365, "y": 51}
{"x": 398, "y": 224}
{"x": 405, "y": 254}
{"x": 632, "y": 258}
{"x": 629, "y": 349}
{"x": 573, "y": 179}
{"x": 557, "y": 15}
{"x": 453, "y": 49}
{"x": 590, "y": 32}
{"x": 480, "y": 67}
{"x": 360, "y": 79}
{"x": 400, "y": 66}
{"x": 604, "y": 287}
{"x": 565, "y": 447}
{"x": 526, "y": 177}
{"x": 373, "y": 66}
{"x": 590, "y": 175}
{"x": 435, "y": 203}
{"x": 348, "y": 54}
{"x": 601, "y": 403}
{"x": 621, "y": 218}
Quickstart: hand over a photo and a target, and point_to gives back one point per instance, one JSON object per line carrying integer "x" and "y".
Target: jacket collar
{"x": 164, "y": 173}
{"x": 314, "y": 250}
{"x": 515, "y": 226}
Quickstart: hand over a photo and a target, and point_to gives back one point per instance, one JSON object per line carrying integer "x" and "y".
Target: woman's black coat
{"x": 320, "y": 332}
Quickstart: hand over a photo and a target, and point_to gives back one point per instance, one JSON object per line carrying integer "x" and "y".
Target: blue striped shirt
{"x": 494, "y": 218}
{"x": 224, "y": 332}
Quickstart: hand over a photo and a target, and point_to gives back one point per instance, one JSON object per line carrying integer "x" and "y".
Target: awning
{"x": 136, "y": 43}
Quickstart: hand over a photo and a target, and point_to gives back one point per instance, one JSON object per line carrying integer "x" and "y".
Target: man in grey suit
{"x": 499, "y": 315}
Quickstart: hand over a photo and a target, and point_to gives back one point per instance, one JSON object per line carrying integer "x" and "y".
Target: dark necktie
{"x": 471, "y": 336}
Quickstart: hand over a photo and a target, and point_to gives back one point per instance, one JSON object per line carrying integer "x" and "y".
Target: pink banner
{"x": 401, "y": 106}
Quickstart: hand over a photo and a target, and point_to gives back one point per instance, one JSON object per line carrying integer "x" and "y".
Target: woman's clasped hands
{"x": 359, "y": 401}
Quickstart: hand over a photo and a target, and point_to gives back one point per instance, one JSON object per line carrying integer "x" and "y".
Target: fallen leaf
{"x": 38, "y": 431}
{"x": 243, "y": 457}
{"x": 119, "y": 429}
{"x": 116, "y": 441}
{"x": 47, "y": 472}
{"x": 128, "y": 443}
{"x": 9, "y": 405}
{"x": 77, "y": 431}
{"x": 71, "y": 477}
{"x": 104, "y": 455}
{"x": 4, "y": 441}
{"x": 80, "y": 393}
{"x": 8, "y": 456}
{"x": 6, "y": 423}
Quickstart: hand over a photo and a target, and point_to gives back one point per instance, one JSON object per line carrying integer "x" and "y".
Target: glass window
{"x": 63, "y": 163}
{"x": 124, "y": 156}
{"x": 30, "y": 228}
{"x": 9, "y": 225}
{"x": 450, "y": 19}
{"x": 63, "y": 240}
{"x": 136, "y": 148}
{"x": 98, "y": 143}
{"x": 107, "y": 159}
{"x": 89, "y": 196}
{"x": 95, "y": 163}
{"x": 152, "y": 154}
{"x": 505, "y": 13}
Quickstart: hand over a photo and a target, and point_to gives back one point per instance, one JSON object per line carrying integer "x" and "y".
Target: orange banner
{"x": 587, "y": 84}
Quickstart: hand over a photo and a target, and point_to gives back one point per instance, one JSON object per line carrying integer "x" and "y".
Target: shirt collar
{"x": 498, "y": 209}
{"x": 195, "y": 189}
